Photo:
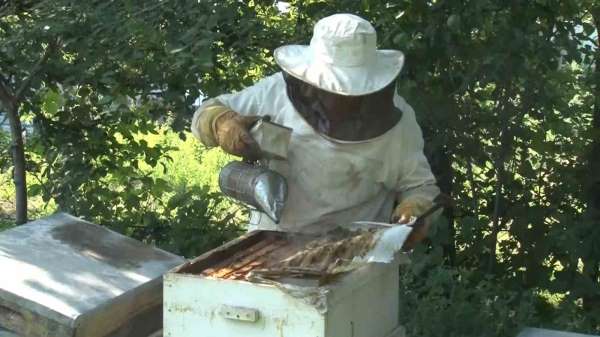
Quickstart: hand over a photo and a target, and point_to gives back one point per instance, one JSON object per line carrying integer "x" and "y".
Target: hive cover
{"x": 63, "y": 269}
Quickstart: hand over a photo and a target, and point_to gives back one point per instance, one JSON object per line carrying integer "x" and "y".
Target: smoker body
{"x": 65, "y": 277}
{"x": 362, "y": 303}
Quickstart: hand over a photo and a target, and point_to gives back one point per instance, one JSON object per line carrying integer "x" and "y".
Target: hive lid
{"x": 62, "y": 267}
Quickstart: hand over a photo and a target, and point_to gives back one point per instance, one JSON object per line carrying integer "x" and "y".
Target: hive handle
{"x": 239, "y": 313}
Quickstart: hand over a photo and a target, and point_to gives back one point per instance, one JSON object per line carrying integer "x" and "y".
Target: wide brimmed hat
{"x": 342, "y": 57}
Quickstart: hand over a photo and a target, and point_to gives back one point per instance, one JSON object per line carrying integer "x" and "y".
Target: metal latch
{"x": 239, "y": 313}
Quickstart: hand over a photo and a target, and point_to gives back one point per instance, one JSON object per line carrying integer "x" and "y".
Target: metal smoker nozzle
{"x": 264, "y": 189}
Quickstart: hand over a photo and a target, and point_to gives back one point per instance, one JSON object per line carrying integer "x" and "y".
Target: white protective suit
{"x": 331, "y": 182}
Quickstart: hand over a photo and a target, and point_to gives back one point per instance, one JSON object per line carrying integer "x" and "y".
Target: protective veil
{"x": 341, "y": 117}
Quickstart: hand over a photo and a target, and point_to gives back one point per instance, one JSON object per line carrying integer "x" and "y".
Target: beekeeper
{"x": 356, "y": 151}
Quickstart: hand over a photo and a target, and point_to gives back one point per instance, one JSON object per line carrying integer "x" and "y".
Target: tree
{"x": 592, "y": 258}
{"x": 13, "y": 89}
{"x": 94, "y": 77}
{"x": 10, "y": 101}
{"x": 99, "y": 56}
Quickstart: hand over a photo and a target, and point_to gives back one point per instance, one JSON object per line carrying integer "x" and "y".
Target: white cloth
{"x": 330, "y": 182}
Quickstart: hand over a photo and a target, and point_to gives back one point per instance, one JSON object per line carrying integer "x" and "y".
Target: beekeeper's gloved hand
{"x": 216, "y": 124}
{"x": 407, "y": 210}
{"x": 231, "y": 132}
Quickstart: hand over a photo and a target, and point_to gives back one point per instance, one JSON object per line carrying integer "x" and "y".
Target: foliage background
{"x": 506, "y": 93}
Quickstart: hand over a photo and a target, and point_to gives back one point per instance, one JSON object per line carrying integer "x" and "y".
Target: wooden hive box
{"x": 362, "y": 303}
{"x": 65, "y": 277}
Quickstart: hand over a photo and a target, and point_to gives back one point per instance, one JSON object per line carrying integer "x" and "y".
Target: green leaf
{"x": 52, "y": 102}
{"x": 34, "y": 190}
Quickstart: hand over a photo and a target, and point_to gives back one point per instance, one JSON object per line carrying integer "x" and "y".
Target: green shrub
{"x": 4, "y": 150}
{"x": 5, "y": 224}
{"x": 437, "y": 300}
{"x": 197, "y": 220}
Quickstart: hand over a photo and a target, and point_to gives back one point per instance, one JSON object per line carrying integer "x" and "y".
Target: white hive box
{"x": 363, "y": 303}
{"x": 65, "y": 277}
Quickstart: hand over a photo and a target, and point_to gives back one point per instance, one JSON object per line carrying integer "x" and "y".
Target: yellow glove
{"x": 231, "y": 131}
{"x": 215, "y": 124}
{"x": 409, "y": 208}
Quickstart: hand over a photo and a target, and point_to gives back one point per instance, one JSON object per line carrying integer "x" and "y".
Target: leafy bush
{"x": 197, "y": 220}
{"x": 5, "y": 157}
{"x": 6, "y": 190}
{"x": 5, "y": 224}
{"x": 437, "y": 300}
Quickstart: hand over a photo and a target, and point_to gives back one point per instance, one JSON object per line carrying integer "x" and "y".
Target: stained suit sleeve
{"x": 416, "y": 179}
{"x": 250, "y": 101}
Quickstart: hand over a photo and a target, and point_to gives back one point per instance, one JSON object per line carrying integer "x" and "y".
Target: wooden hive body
{"x": 65, "y": 277}
{"x": 362, "y": 303}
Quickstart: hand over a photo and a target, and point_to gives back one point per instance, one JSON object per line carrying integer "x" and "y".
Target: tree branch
{"x": 499, "y": 164}
{"x": 149, "y": 8}
{"x": 36, "y": 69}
{"x": 11, "y": 7}
{"x": 19, "y": 170}
{"x": 4, "y": 7}
{"x": 6, "y": 95}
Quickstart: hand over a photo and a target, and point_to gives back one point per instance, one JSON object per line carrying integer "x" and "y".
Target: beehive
{"x": 65, "y": 277}
{"x": 211, "y": 296}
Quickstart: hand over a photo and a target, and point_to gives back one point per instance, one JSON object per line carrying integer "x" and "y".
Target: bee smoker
{"x": 255, "y": 184}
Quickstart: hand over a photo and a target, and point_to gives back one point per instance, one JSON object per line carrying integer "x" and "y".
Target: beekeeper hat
{"x": 342, "y": 57}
